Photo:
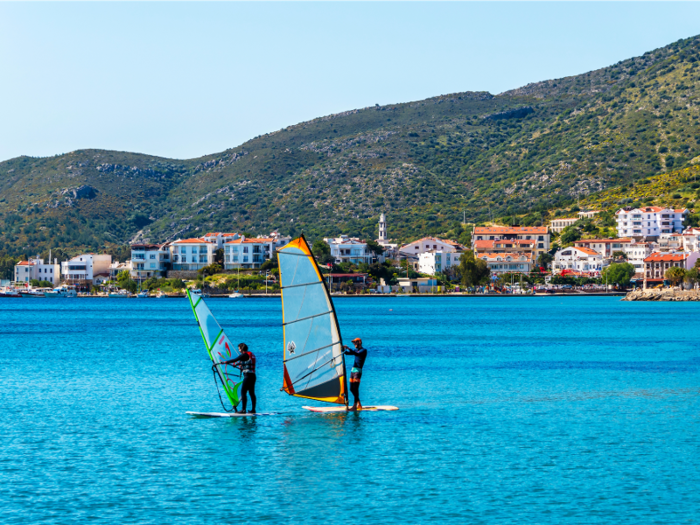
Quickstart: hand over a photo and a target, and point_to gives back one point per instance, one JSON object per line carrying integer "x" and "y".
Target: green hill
{"x": 427, "y": 164}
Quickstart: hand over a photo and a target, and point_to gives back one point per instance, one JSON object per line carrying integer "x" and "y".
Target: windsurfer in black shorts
{"x": 246, "y": 362}
{"x": 356, "y": 372}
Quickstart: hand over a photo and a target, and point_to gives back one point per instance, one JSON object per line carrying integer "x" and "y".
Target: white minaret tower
{"x": 382, "y": 229}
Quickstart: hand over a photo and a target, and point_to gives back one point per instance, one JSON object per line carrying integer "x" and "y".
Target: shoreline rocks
{"x": 663, "y": 294}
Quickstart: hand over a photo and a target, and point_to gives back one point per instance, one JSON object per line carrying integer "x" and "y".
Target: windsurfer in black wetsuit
{"x": 246, "y": 362}
{"x": 356, "y": 372}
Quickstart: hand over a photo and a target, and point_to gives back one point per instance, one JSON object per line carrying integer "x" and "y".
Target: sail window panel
{"x": 297, "y": 268}
{"x": 304, "y": 301}
{"x": 308, "y": 335}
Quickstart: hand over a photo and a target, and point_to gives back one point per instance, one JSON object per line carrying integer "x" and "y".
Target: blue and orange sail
{"x": 313, "y": 360}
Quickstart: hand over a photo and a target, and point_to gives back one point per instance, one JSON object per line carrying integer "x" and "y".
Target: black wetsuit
{"x": 356, "y": 372}
{"x": 247, "y": 361}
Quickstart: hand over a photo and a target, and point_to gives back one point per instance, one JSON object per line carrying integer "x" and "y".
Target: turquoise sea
{"x": 513, "y": 410}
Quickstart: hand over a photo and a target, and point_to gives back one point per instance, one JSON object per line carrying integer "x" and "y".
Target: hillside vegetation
{"x": 428, "y": 164}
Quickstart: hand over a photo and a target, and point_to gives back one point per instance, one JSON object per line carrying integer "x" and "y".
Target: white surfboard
{"x": 229, "y": 414}
{"x": 330, "y": 410}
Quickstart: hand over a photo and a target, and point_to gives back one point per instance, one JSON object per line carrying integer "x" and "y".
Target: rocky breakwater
{"x": 663, "y": 294}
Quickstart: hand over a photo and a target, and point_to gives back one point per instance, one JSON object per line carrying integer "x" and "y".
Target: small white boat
{"x": 62, "y": 291}
{"x": 236, "y": 295}
{"x": 33, "y": 293}
{"x": 160, "y": 295}
{"x": 199, "y": 292}
{"x": 121, "y": 294}
{"x": 143, "y": 294}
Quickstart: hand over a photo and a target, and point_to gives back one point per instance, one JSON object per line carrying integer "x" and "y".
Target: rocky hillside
{"x": 427, "y": 164}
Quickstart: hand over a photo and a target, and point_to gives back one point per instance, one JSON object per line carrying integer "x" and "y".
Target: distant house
{"x": 350, "y": 249}
{"x": 605, "y": 247}
{"x": 26, "y": 271}
{"x": 558, "y": 225}
{"x": 83, "y": 269}
{"x": 245, "y": 253}
{"x": 579, "y": 259}
{"x": 418, "y": 284}
{"x": 505, "y": 246}
{"x": 428, "y": 244}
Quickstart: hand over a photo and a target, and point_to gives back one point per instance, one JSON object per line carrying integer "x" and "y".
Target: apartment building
{"x": 505, "y": 246}
{"x": 191, "y": 254}
{"x": 539, "y": 234}
{"x": 149, "y": 260}
{"x": 246, "y": 253}
{"x": 649, "y": 222}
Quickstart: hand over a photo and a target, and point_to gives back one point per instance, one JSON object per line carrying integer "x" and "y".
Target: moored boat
{"x": 62, "y": 291}
{"x": 121, "y": 294}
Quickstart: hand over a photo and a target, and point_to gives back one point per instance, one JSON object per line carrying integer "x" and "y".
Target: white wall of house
{"x": 437, "y": 262}
{"x": 636, "y": 253}
{"x": 25, "y": 271}
{"x": 85, "y": 267}
{"x": 558, "y": 225}
{"x": 245, "y": 253}
{"x": 149, "y": 260}
{"x": 428, "y": 244}
{"x": 540, "y": 234}
{"x": 578, "y": 259}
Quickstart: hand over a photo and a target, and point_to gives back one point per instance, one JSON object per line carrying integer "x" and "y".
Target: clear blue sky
{"x": 182, "y": 80}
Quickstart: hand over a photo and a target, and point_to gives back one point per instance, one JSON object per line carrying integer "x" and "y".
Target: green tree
{"x": 545, "y": 259}
{"x": 211, "y": 269}
{"x": 618, "y": 273}
{"x": 619, "y": 255}
{"x": 675, "y": 274}
{"x": 472, "y": 271}
{"x": 219, "y": 256}
{"x": 375, "y": 247}
{"x": 570, "y": 235}
{"x": 128, "y": 284}
{"x": 322, "y": 252}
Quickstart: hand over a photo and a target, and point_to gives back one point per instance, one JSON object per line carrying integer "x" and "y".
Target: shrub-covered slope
{"x": 427, "y": 164}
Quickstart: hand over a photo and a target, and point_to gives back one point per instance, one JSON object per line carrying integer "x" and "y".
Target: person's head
{"x": 242, "y": 347}
{"x": 357, "y": 342}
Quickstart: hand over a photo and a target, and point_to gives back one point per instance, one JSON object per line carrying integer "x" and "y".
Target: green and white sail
{"x": 218, "y": 346}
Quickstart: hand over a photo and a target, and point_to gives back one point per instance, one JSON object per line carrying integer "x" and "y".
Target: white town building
{"x": 437, "y": 261}
{"x": 191, "y": 254}
{"x": 26, "y": 271}
{"x": 605, "y": 247}
{"x": 86, "y": 269}
{"x": 246, "y": 253}
{"x": 657, "y": 263}
{"x": 649, "y": 221}
{"x": 578, "y": 259}
{"x": 350, "y": 249}
{"x": 636, "y": 252}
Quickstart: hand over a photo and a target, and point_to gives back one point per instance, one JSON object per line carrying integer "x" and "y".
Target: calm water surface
{"x": 513, "y": 410}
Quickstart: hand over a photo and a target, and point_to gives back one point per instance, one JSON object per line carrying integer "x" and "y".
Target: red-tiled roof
{"x": 507, "y": 230}
{"x": 249, "y": 241}
{"x": 602, "y": 241}
{"x": 483, "y": 244}
{"x": 667, "y": 257}
{"x": 192, "y": 241}
{"x": 585, "y": 250}
{"x": 23, "y": 263}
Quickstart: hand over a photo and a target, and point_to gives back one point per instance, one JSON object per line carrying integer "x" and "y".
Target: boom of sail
{"x": 219, "y": 348}
{"x": 314, "y": 365}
